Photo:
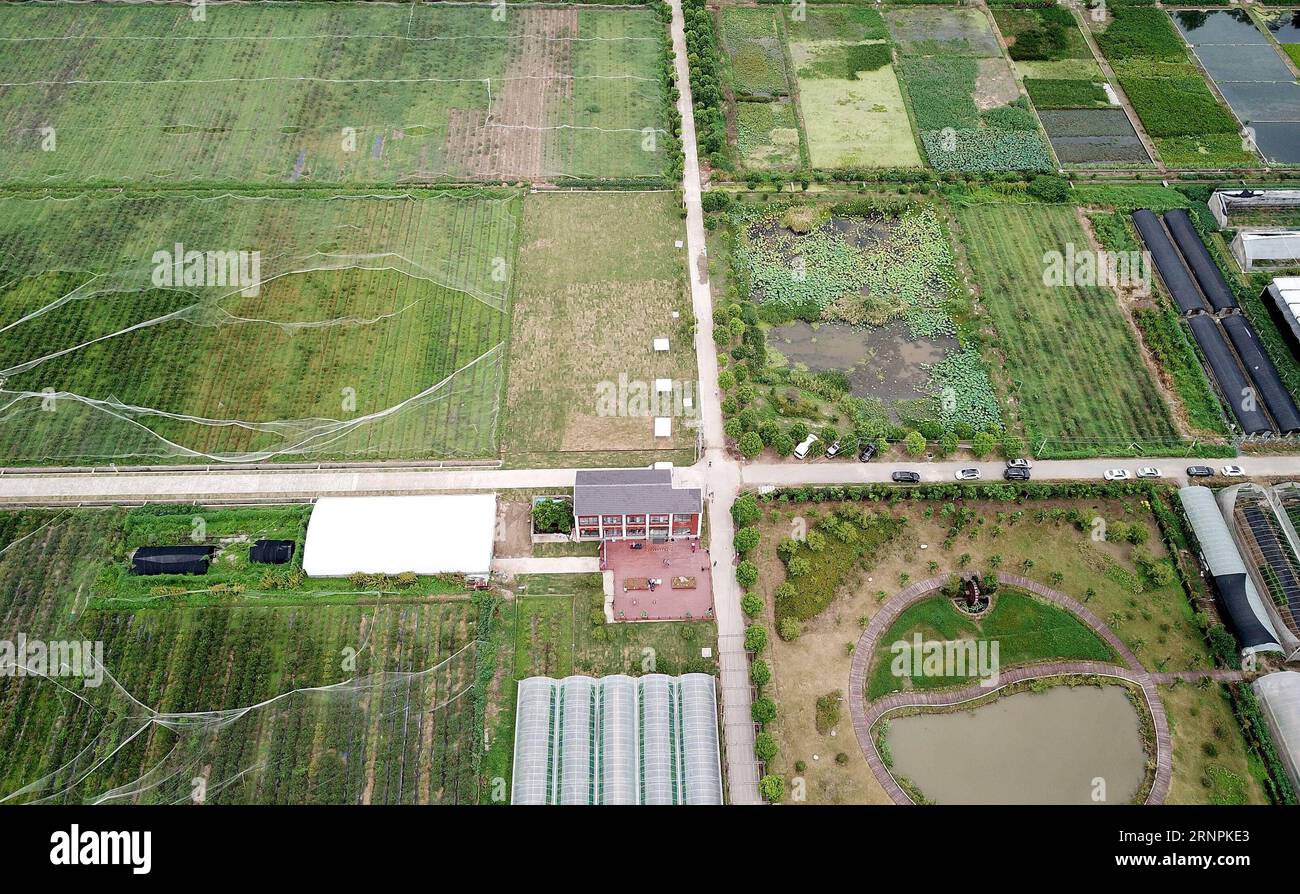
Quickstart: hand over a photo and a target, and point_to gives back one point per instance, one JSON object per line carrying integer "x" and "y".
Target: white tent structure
{"x": 446, "y": 533}
{"x": 617, "y": 740}
{"x": 1279, "y": 696}
{"x": 1254, "y": 250}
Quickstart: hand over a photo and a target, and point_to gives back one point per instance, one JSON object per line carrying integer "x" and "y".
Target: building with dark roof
{"x": 634, "y": 504}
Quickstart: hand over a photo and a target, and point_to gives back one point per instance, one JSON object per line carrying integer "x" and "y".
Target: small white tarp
{"x": 446, "y": 533}
{"x": 661, "y": 344}
{"x": 663, "y": 386}
{"x": 663, "y": 427}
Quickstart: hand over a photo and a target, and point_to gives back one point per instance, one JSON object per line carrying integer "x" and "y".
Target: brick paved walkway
{"x": 866, "y": 715}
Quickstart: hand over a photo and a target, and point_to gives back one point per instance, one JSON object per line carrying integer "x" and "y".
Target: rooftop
{"x": 620, "y": 491}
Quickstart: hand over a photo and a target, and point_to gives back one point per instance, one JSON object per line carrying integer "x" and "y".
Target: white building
{"x": 439, "y": 534}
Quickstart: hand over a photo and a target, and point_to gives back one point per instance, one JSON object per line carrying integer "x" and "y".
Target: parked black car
{"x": 1200, "y": 472}
{"x": 867, "y": 453}
{"x": 907, "y": 477}
{"x": 1015, "y": 473}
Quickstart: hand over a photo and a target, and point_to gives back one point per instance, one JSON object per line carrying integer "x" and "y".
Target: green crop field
{"x": 965, "y": 102}
{"x": 767, "y": 134}
{"x": 276, "y": 93}
{"x": 754, "y": 50}
{"x": 1072, "y": 361}
{"x": 1189, "y": 125}
{"x": 373, "y": 700}
{"x": 378, "y": 328}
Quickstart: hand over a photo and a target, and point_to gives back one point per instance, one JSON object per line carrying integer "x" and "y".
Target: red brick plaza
{"x": 683, "y": 566}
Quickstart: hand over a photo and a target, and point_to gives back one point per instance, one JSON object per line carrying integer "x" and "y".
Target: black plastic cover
{"x": 1260, "y": 368}
{"x": 1207, "y": 273}
{"x": 1168, "y": 262}
{"x": 171, "y": 559}
{"x": 271, "y": 552}
{"x": 1238, "y": 613}
{"x": 1232, "y": 384}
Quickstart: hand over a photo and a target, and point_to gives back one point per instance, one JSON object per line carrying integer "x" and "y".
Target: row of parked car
{"x": 1016, "y": 470}
{"x": 1192, "y": 472}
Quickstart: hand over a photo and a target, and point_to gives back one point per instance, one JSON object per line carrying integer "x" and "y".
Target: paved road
{"x": 271, "y": 484}
{"x": 849, "y": 471}
{"x": 555, "y": 565}
{"x": 723, "y": 475}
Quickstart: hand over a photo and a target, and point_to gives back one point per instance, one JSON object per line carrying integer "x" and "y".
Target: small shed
{"x": 172, "y": 559}
{"x": 271, "y": 552}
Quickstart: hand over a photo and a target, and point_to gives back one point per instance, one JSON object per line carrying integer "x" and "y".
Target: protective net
{"x": 243, "y": 329}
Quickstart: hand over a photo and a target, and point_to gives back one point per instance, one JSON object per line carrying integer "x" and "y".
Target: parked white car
{"x": 1149, "y": 472}
{"x": 1234, "y": 471}
{"x": 801, "y": 452}
{"x": 1116, "y": 475}
{"x": 968, "y": 475}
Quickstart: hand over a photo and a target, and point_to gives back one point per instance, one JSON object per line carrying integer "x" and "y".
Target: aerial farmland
{"x": 688, "y": 402}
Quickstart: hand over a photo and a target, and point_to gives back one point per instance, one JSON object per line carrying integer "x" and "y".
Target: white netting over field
{"x": 393, "y": 738}
{"x": 243, "y": 329}
{"x": 344, "y": 93}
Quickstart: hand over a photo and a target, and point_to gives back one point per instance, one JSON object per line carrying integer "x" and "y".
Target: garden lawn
{"x": 1212, "y": 763}
{"x": 1069, "y": 354}
{"x": 1027, "y": 630}
{"x": 861, "y": 540}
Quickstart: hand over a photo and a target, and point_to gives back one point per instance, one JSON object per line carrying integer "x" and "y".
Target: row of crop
{"x": 1189, "y": 125}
